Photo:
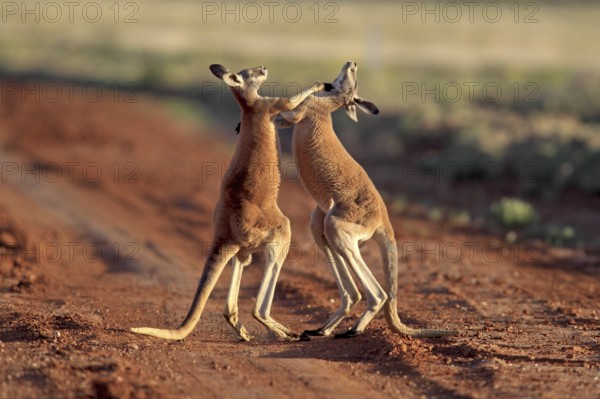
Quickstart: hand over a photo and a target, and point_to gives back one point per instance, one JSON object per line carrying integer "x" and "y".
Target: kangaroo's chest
{"x": 322, "y": 167}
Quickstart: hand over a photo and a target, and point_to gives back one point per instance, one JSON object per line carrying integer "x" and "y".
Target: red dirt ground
{"x": 83, "y": 257}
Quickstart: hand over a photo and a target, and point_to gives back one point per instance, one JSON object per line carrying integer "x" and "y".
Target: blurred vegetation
{"x": 435, "y": 81}
{"x": 513, "y": 213}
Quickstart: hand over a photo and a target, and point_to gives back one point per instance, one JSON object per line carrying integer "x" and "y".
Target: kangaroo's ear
{"x": 218, "y": 70}
{"x": 351, "y": 111}
{"x": 366, "y": 106}
{"x": 230, "y": 78}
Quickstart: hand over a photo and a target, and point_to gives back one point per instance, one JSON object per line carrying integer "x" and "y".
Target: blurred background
{"x": 490, "y": 111}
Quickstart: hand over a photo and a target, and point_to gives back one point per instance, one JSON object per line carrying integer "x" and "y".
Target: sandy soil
{"x": 105, "y": 217}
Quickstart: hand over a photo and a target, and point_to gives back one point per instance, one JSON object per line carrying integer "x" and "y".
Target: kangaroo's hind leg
{"x": 349, "y": 293}
{"x": 344, "y": 237}
{"x": 231, "y": 308}
{"x": 276, "y": 251}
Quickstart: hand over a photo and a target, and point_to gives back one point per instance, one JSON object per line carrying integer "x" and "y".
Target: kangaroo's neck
{"x": 257, "y": 132}
{"x": 315, "y": 132}
{"x": 254, "y": 168}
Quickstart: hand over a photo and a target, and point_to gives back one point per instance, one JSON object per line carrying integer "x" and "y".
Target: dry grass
{"x": 172, "y": 38}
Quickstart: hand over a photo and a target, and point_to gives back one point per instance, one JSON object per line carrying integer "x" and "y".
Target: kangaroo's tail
{"x": 387, "y": 244}
{"x": 218, "y": 257}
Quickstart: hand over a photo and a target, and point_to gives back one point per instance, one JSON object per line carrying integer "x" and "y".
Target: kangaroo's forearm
{"x": 287, "y": 104}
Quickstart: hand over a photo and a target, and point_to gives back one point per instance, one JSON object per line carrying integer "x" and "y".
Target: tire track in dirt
{"x": 513, "y": 322}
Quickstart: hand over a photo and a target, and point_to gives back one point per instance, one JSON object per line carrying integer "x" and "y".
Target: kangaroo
{"x": 349, "y": 209}
{"x": 246, "y": 217}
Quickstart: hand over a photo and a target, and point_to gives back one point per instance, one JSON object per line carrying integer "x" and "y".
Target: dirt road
{"x": 105, "y": 217}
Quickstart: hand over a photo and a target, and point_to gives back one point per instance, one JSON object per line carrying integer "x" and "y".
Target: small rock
{"x": 8, "y": 240}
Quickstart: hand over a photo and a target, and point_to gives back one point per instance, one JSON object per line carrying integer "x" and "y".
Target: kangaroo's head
{"x": 345, "y": 92}
{"x": 245, "y": 83}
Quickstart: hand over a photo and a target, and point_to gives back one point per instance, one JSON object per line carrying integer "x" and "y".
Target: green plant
{"x": 513, "y": 213}
{"x": 560, "y": 235}
{"x": 460, "y": 217}
{"x": 399, "y": 204}
{"x": 435, "y": 214}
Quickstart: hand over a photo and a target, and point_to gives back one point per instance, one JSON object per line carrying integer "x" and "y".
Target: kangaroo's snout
{"x": 351, "y": 64}
{"x": 346, "y": 82}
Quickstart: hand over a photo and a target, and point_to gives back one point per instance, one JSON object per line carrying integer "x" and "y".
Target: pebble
{"x": 8, "y": 240}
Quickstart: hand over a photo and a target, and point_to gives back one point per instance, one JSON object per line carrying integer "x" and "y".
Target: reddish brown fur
{"x": 247, "y": 217}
